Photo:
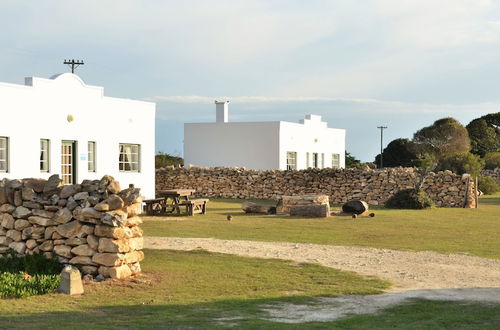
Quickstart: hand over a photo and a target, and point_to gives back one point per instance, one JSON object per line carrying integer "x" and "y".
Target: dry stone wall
{"x": 93, "y": 225}
{"x": 341, "y": 185}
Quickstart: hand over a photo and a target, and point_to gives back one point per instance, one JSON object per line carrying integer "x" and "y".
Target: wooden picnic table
{"x": 179, "y": 198}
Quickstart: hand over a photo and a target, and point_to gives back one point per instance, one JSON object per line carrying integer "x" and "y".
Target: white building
{"x": 263, "y": 145}
{"x": 63, "y": 126}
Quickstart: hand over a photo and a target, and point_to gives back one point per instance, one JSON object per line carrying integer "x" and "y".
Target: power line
{"x": 74, "y": 64}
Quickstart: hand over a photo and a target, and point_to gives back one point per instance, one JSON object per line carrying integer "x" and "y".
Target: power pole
{"x": 74, "y": 64}
{"x": 381, "y": 145}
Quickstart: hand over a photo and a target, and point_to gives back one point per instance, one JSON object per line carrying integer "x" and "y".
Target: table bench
{"x": 195, "y": 206}
{"x": 155, "y": 206}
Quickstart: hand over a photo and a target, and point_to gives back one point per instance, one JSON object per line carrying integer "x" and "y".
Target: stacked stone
{"x": 495, "y": 174}
{"x": 93, "y": 225}
{"x": 287, "y": 202}
{"x": 341, "y": 185}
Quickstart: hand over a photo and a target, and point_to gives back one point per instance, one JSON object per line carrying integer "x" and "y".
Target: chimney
{"x": 221, "y": 111}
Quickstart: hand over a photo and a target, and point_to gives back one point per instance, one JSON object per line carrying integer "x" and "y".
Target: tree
{"x": 492, "y": 160}
{"x": 351, "y": 161}
{"x": 484, "y": 133}
{"x": 162, "y": 160}
{"x": 399, "y": 152}
{"x": 445, "y": 136}
{"x": 461, "y": 163}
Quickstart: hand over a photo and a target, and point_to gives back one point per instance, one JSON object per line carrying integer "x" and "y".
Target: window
{"x": 291, "y": 160}
{"x": 315, "y": 160}
{"x": 335, "y": 160}
{"x": 129, "y": 157}
{"x": 44, "y": 155}
{"x": 91, "y": 156}
{"x": 4, "y": 154}
{"x": 322, "y": 160}
{"x": 307, "y": 160}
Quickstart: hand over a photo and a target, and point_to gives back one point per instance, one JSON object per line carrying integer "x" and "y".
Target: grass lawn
{"x": 186, "y": 289}
{"x": 445, "y": 230}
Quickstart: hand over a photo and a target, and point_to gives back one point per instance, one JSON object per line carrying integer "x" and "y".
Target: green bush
{"x": 28, "y": 275}
{"x": 492, "y": 160}
{"x": 487, "y": 185}
{"x": 409, "y": 199}
{"x": 461, "y": 163}
{"x": 31, "y": 264}
{"x": 19, "y": 285}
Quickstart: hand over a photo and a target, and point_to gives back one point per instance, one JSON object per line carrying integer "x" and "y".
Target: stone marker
{"x": 71, "y": 281}
{"x": 316, "y": 211}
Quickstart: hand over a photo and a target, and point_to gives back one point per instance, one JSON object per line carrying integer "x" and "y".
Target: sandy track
{"x": 406, "y": 270}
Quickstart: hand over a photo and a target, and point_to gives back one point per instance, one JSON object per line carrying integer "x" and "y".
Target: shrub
{"x": 492, "y": 160}
{"x": 19, "y": 285}
{"x": 28, "y": 275}
{"x": 31, "y": 264}
{"x": 487, "y": 185}
{"x": 461, "y": 163}
{"x": 409, "y": 199}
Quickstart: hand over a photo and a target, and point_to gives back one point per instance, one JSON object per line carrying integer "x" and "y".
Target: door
{"x": 68, "y": 162}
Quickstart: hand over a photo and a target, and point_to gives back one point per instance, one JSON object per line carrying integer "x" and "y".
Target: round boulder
{"x": 355, "y": 207}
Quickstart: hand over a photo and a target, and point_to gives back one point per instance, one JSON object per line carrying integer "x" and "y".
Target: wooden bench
{"x": 155, "y": 206}
{"x": 195, "y": 206}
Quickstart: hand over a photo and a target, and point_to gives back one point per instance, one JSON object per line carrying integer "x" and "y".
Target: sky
{"x": 359, "y": 64}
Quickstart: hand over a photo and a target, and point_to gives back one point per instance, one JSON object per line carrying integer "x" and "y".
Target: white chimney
{"x": 221, "y": 111}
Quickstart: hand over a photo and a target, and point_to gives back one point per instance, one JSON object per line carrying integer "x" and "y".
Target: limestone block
{"x": 5, "y": 241}
{"x": 75, "y": 241}
{"x": 47, "y": 246}
{"x": 7, "y": 208}
{"x": 19, "y": 247}
{"x": 133, "y": 221}
{"x": 63, "y": 250}
{"x": 89, "y": 270}
{"x": 134, "y": 209}
{"x": 15, "y": 235}
{"x": 83, "y": 250}
{"x": 115, "y": 202}
{"x": 91, "y": 213}
{"x": 114, "y": 218}
{"x": 112, "y": 246}
{"x": 133, "y": 257}
{"x": 135, "y": 268}
{"x": 69, "y": 229}
{"x": 108, "y": 259}
{"x": 43, "y": 213}
{"x": 21, "y": 212}
{"x": 82, "y": 260}
{"x": 21, "y": 224}
{"x": 113, "y": 232}
{"x": 93, "y": 242}
{"x": 41, "y": 221}
{"x": 63, "y": 216}
{"x": 136, "y": 243}
{"x": 71, "y": 281}
{"x": 7, "y": 221}
{"x": 120, "y": 272}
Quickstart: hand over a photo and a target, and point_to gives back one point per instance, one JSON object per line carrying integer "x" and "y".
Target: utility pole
{"x": 74, "y": 64}
{"x": 381, "y": 145}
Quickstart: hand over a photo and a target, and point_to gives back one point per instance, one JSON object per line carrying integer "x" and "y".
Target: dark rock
{"x": 355, "y": 206}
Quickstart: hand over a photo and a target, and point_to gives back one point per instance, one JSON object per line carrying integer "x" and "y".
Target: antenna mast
{"x": 73, "y": 64}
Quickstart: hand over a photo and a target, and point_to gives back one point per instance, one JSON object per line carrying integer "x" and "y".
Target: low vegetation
{"x": 445, "y": 230}
{"x": 23, "y": 276}
{"x": 163, "y": 160}
{"x": 410, "y": 199}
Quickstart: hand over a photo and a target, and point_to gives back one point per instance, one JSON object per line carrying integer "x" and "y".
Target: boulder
{"x": 355, "y": 207}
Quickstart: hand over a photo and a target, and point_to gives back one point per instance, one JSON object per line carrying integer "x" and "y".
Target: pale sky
{"x": 359, "y": 64}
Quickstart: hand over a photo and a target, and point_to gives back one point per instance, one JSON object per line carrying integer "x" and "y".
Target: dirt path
{"x": 406, "y": 270}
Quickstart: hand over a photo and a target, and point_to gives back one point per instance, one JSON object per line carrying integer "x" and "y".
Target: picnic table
{"x": 179, "y": 197}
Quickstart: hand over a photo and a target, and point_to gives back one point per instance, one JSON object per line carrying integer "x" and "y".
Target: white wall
{"x": 312, "y": 136}
{"x": 250, "y": 145}
{"x": 39, "y": 111}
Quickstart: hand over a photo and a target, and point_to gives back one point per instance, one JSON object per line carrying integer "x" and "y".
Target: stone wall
{"x": 92, "y": 225}
{"x": 341, "y": 185}
{"x": 495, "y": 174}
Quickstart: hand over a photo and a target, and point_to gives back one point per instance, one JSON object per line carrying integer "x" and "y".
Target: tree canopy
{"x": 399, "y": 152}
{"x": 445, "y": 136}
{"x": 351, "y": 161}
{"x": 484, "y": 133}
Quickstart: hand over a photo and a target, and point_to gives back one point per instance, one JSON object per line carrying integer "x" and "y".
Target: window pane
{"x": 129, "y": 158}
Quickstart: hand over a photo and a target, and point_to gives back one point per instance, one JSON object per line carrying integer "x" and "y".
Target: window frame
{"x": 91, "y": 161}
{"x": 335, "y": 160}
{"x": 315, "y": 160}
{"x": 122, "y": 164}
{"x": 6, "y": 153}
{"x": 291, "y": 160}
{"x": 47, "y": 154}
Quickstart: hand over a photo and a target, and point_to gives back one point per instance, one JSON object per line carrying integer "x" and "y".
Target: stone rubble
{"x": 341, "y": 185}
{"x": 92, "y": 225}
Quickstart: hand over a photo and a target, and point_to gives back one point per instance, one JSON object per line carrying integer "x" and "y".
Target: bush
{"x": 409, "y": 199}
{"x": 487, "y": 185}
{"x": 492, "y": 160}
{"x": 31, "y": 264}
{"x": 19, "y": 285}
{"x": 28, "y": 275}
{"x": 461, "y": 163}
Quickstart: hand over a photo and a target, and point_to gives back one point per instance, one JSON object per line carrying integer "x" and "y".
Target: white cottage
{"x": 63, "y": 126}
{"x": 264, "y": 145}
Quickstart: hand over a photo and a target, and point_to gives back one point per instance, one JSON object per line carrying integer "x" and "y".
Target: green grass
{"x": 186, "y": 289}
{"x": 445, "y": 230}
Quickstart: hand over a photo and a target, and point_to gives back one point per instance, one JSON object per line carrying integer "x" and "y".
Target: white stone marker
{"x": 71, "y": 281}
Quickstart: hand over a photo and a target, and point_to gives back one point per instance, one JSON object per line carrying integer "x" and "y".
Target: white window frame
{"x": 129, "y": 157}
{"x": 44, "y": 155}
{"x": 291, "y": 160}
{"x": 91, "y": 156}
{"x": 4, "y": 154}
{"x": 307, "y": 160}
{"x": 335, "y": 160}
{"x": 322, "y": 160}
{"x": 315, "y": 160}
